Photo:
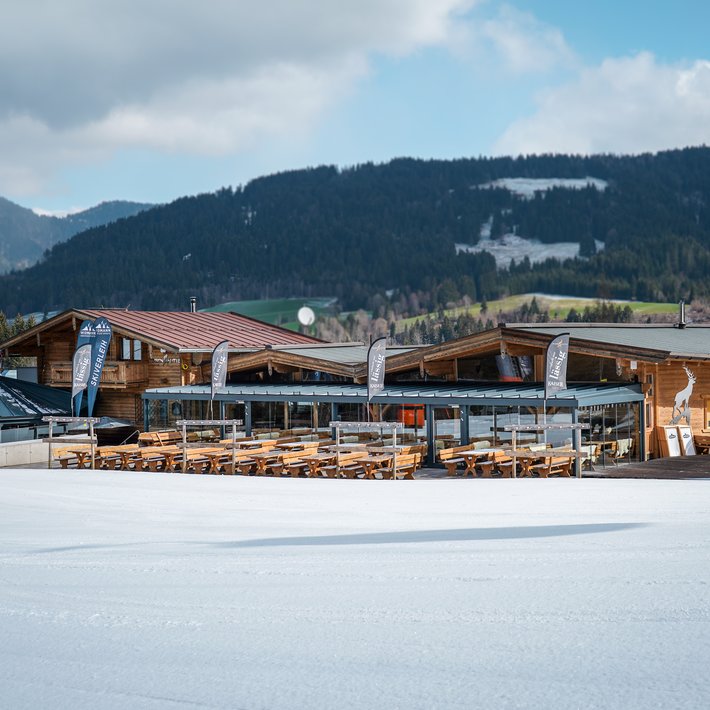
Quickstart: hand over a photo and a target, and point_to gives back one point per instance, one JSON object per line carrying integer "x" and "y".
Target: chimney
{"x": 193, "y": 304}
{"x": 681, "y": 314}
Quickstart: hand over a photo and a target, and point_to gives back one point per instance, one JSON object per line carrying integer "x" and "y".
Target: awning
{"x": 496, "y": 393}
{"x": 27, "y": 400}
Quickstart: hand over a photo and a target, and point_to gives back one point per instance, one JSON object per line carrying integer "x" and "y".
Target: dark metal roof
{"x": 692, "y": 341}
{"x": 27, "y": 400}
{"x": 341, "y": 353}
{"x": 513, "y": 394}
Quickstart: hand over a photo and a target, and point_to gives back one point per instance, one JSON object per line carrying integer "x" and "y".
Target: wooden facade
{"x": 138, "y": 359}
{"x": 662, "y": 361}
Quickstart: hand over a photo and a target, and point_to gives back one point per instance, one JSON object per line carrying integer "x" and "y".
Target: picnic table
{"x": 297, "y": 445}
{"x": 372, "y": 462}
{"x": 334, "y": 462}
{"x": 255, "y": 443}
{"x": 316, "y": 461}
{"x": 198, "y": 459}
{"x": 82, "y": 455}
{"x": 153, "y": 456}
{"x": 348, "y": 448}
{"x": 225, "y": 456}
{"x": 122, "y": 454}
{"x": 472, "y": 457}
{"x": 545, "y": 461}
{"x": 262, "y": 460}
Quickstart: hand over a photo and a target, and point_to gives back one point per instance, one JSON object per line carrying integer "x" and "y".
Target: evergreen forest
{"x": 372, "y": 233}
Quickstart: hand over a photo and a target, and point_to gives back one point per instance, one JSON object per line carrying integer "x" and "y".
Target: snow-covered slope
{"x": 511, "y": 246}
{"x": 126, "y": 590}
{"x": 527, "y": 187}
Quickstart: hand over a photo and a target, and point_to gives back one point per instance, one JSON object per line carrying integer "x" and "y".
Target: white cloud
{"x": 80, "y": 81}
{"x": 513, "y": 42}
{"x": 630, "y": 105}
{"x": 525, "y": 44}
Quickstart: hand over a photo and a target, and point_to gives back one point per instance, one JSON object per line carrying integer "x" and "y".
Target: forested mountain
{"x": 374, "y": 232}
{"x": 24, "y": 235}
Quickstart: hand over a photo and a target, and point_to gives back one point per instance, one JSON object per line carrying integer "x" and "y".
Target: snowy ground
{"x": 126, "y": 590}
{"x": 527, "y": 187}
{"x": 511, "y": 246}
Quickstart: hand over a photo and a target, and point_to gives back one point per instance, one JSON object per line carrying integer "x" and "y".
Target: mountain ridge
{"x": 371, "y": 234}
{"x": 25, "y": 235}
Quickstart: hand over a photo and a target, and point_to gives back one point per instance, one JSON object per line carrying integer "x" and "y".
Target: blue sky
{"x": 151, "y": 100}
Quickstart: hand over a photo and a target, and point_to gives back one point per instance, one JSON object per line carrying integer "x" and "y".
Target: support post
{"x": 93, "y": 447}
{"x": 234, "y": 447}
{"x": 247, "y": 418}
{"x": 431, "y": 441}
{"x": 463, "y": 414}
{"x": 642, "y": 430}
{"x": 49, "y": 445}
{"x": 577, "y": 444}
{"x": 394, "y": 453}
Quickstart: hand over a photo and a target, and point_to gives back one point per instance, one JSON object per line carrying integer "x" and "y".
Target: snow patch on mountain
{"x": 527, "y": 187}
{"x": 512, "y": 246}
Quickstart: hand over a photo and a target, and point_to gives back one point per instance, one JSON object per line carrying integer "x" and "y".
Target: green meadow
{"x": 557, "y": 306}
{"x": 278, "y": 311}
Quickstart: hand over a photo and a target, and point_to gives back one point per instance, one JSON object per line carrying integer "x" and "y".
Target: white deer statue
{"x": 683, "y": 398}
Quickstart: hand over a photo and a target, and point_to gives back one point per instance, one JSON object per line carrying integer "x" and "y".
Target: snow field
{"x": 157, "y": 591}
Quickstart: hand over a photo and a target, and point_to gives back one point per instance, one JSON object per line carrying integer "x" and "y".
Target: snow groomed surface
{"x": 157, "y": 591}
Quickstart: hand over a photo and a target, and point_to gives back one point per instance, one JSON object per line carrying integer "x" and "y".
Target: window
{"x": 131, "y": 349}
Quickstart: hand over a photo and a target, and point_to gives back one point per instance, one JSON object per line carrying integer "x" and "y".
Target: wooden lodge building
{"x": 147, "y": 350}
{"x": 625, "y": 382}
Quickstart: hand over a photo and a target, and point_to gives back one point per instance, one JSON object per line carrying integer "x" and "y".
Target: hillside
{"x": 371, "y": 234}
{"x": 25, "y": 235}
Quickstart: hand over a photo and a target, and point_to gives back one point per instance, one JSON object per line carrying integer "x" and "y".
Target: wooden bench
{"x": 553, "y": 465}
{"x": 405, "y": 466}
{"x": 159, "y": 438}
{"x": 500, "y": 462}
{"x": 292, "y": 461}
{"x": 449, "y": 458}
{"x": 347, "y": 468}
{"x": 227, "y": 461}
{"x": 67, "y": 455}
{"x": 113, "y": 457}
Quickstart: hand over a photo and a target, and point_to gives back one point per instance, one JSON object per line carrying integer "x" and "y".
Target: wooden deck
{"x": 676, "y": 467}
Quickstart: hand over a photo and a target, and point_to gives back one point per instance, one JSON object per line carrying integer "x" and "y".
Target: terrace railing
{"x": 116, "y": 373}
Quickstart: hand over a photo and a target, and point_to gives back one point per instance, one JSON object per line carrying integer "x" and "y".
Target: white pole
{"x": 49, "y": 445}
{"x": 234, "y": 446}
{"x": 91, "y": 435}
{"x": 394, "y": 453}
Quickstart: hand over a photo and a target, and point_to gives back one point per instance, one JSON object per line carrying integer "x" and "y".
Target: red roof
{"x": 184, "y": 330}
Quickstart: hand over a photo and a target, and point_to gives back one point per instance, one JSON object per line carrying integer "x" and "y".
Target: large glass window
{"x": 268, "y": 416}
{"x": 613, "y": 434}
{"x": 487, "y": 424}
{"x": 480, "y": 425}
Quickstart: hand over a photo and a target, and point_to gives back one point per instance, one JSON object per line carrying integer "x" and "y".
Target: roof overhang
{"x": 497, "y": 394}
{"x": 77, "y": 315}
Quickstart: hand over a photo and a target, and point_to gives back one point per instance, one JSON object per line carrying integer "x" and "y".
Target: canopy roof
{"x": 27, "y": 400}
{"x": 498, "y": 393}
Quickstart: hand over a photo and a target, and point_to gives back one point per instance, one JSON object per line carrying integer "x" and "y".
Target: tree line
{"x": 374, "y": 234}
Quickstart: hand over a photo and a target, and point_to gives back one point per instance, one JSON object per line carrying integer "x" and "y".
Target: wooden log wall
{"x": 671, "y": 379}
